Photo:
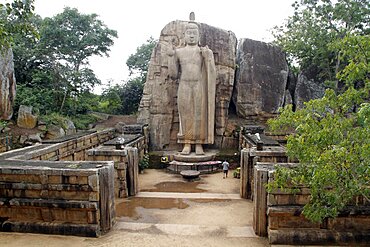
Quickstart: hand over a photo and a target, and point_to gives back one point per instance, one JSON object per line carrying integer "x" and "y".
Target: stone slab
{"x": 192, "y": 157}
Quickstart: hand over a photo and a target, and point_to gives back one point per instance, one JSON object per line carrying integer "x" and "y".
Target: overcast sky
{"x": 137, "y": 20}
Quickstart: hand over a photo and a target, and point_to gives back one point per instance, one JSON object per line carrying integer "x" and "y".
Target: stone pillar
{"x": 244, "y": 156}
{"x": 7, "y": 84}
{"x": 107, "y": 204}
{"x": 133, "y": 171}
{"x": 260, "y": 201}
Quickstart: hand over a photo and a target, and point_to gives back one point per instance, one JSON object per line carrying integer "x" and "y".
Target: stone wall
{"x": 248, "y": 159}
{"x": 278, "y": 215}
{"x": 125, "y": 168}
{"x": 48, "y": 188}
{"x": 56, "y": 197}
{"x": 158, "y": 106}
{"x": 70, "y": 150}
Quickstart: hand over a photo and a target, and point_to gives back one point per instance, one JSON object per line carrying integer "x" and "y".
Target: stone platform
{"x": 192, "y": 157}
{"x": 202, "y": 167}
{"x": 202, "y": 163}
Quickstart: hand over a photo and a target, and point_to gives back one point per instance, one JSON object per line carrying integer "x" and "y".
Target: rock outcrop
{"x": 261, "y": 79}
{"x": 55, "y": 132}
{"x": 307, "y": 88}
{"x": 26, "y": 119}
{"x": 69, "y": 127}
{"x": 158, "y": 106}
{"x": 7, "y": 84}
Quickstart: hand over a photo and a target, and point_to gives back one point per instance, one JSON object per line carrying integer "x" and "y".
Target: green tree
{"x": 14, "y": 20}
{"x": 332, "y": 137}
{"x": 58, "y": 62}
{"x": 131, "y": 95}
{"x": 110, "y": 100}
{"x": 308, "y": 34}
{"x": 69, "y": 39}
{"x": 138, "y": 63}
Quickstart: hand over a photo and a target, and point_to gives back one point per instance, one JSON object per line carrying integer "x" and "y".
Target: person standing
{"x": 225, "y": 168}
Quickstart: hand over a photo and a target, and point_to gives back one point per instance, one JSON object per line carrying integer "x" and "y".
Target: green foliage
{"x": 126, "y": 99}
{"x": 356, "y": 50}
{"x": 131, "y": 95}
{"x": 308, "y": 35}
{"x": 144, "y": 162}
{"x": 331, "y": 137}
{"x": 55, "y": 119}
{"x": 41, "y": 99}
{"x": 82, "y": 121}
{"x": 110, "y": 101}
{"x": 57, "y": 64}
{"x": 14, "y": 20}
{"x": 68, "y": 40}
{"x": 74, "y": 37}
{"x": 82, "y": 104}
{"x": 3, "y": 123}
{"x": 138, "y": 63}
{"x": 332, "y": 144}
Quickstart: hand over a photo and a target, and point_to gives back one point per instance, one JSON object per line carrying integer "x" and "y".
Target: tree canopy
{"x": 58, "y": 61}
{"x": 138, "y": 63}
{"x": 308, "y": 35}
{"x": 331, "y": 138}
{"x": 14, "y": 20}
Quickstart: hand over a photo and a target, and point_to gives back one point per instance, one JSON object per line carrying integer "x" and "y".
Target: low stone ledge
{"x": 50, "y": 203}
{"x": 106, "y": 151}
{"x": 58, "y": 187}
{"x": 318, "y": 237}
{"x": 87, "y": 230}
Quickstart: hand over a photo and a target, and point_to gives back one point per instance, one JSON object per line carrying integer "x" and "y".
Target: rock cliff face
{"x": 261, "y": 79}
{"x": 307, "y": 88}
{"x": 7, "y": 84}
{"x": 158, "y": 105}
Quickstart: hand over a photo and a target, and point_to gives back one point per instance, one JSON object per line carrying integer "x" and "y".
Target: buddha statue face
{"x": 192, "y": 34}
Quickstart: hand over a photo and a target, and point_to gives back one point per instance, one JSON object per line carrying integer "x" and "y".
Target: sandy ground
{"x": 172, "y": 213}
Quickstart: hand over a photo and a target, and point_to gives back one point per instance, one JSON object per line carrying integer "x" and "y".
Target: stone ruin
{"x": 253, "y": 81}
{"x": 69, "y": 186}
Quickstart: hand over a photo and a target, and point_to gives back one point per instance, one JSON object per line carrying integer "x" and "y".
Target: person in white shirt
{"x": 225, "y": 168}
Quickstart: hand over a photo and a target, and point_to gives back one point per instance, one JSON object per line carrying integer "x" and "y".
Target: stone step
{"x": 188, "y": 230}
{"x": 189, "y": 195}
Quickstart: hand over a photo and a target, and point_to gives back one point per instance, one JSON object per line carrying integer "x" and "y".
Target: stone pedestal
{"x": 193, "y": 158}
{"x": 202, "y": 163}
